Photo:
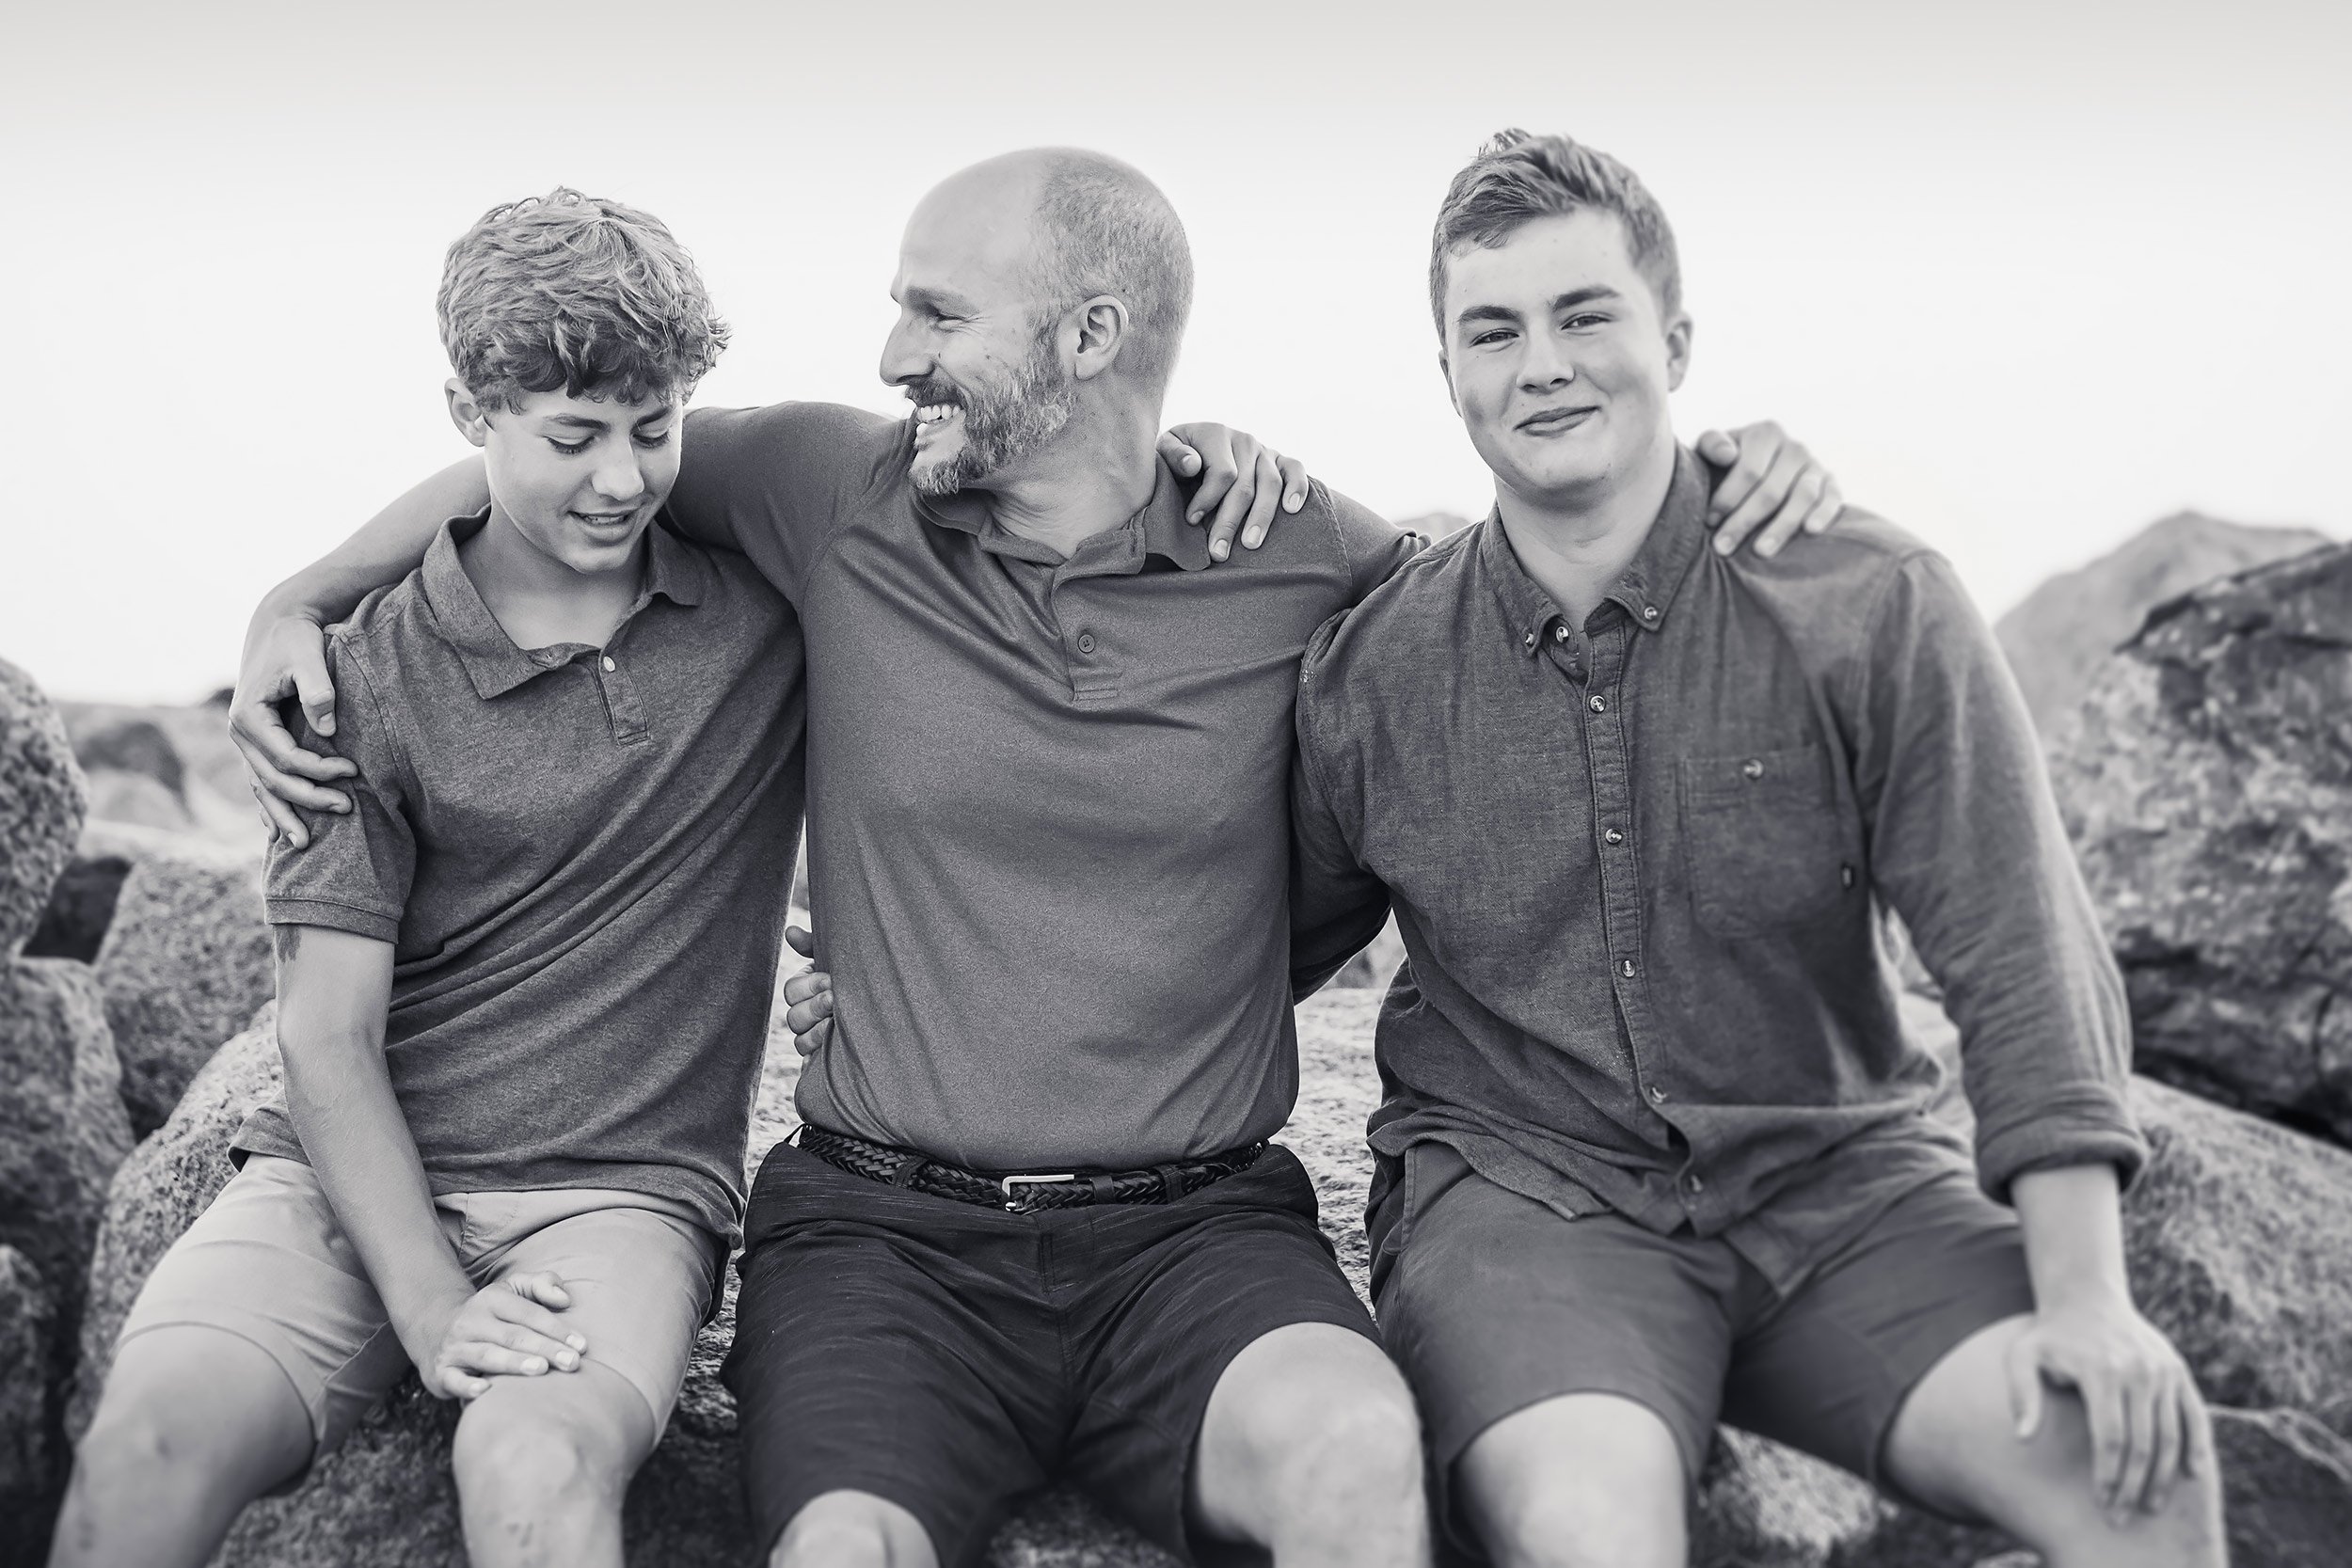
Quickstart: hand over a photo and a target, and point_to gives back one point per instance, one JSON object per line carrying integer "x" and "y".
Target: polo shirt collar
{"x": 493, "y": 662}
{"x": 1645, "y": 589}
{"x": 1158, "y": 529}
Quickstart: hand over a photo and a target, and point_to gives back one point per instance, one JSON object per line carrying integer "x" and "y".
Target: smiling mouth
{"x": 605, "y": 522}
{"x": 1551, "y": 422}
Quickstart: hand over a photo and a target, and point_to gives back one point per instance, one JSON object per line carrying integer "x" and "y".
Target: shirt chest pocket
{"x": 1764, "y": 843}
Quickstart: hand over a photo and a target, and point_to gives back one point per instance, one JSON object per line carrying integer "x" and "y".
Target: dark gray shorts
{"x": 1495, "y": 1304}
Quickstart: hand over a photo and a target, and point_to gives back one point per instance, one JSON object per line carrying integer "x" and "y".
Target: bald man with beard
{"x": 1034, "y": 1226}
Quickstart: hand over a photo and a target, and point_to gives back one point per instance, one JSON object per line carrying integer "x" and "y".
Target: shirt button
{"x": 1531, "y": 641}
{"x": 1752, "y": 768}
{"x": 1693, "y": 1184}
{"x": 1613, "y": 835}
{"x": 1649, "y": 612}
{"x": 1657, "y": 1095}
{"x": 1559, "y": 634}
{"x": 1625, "y": 968}
{"x": 610, "y": 666}
{"x": 1086, "y": 642}
{"x": 1600, "y": 704}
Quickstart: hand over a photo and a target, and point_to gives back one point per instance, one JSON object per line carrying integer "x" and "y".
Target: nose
{"x": 903, "y": 359}
{"x": 620, "y": 474}
{"x": 1544, "y": 365}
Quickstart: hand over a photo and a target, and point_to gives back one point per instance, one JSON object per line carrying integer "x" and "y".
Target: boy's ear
{"x": 1445, "y": 369}
{"x": 1678, "y": 334}
{"x": 465, "y": 413}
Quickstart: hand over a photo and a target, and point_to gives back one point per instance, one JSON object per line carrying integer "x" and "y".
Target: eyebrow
{"x": 581, "y": 421}
{"x": 954, "y": 305}
{"x": 1569, "y": 301}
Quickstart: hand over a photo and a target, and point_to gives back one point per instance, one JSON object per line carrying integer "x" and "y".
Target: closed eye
{"x": 570, "y": 449}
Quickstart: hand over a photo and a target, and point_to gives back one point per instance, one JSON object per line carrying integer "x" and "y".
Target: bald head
{"x": 1100, "y": 226}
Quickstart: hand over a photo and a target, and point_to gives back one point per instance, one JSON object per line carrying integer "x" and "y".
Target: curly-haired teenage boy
{"x": 522, "y": 983}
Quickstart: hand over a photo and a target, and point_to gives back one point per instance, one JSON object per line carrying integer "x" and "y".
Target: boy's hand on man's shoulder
{"x": 1769, "y": 481}
{"x": 508, "y": 1328}
{"x": 1243, "y": 483}
{"x": 287, "y": 658}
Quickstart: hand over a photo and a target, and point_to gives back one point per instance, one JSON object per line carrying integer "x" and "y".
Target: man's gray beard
{"x": 1005, "y": 423}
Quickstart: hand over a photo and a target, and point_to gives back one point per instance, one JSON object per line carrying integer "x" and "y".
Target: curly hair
{"x": 1518, "y": 177}
{"x": 574, "y": 292}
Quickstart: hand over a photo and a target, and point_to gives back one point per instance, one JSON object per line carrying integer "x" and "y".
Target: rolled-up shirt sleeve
{"x": 1967, "y": 844}
{"x": 355, "y": 874}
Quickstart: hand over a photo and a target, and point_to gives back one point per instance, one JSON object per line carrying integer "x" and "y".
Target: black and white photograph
{"x": 1122, "y": 785}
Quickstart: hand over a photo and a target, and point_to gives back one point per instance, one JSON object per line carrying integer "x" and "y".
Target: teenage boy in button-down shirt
{"x": 1653, "y": 1147}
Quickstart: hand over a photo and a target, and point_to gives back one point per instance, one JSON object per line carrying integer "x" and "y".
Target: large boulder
{"x": 2057, "y": 637}
{"x": 184, "y": 961}
{"x": 2208, "y": 786}
{"x": 2287, "y": 1485}
{"x": 42, "y": 799}
{"x": 63, "y": 1128}
{"x": 28, "y": 1455}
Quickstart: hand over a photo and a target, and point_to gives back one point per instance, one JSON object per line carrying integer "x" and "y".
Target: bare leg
{"x": 542, "y": 1465}
{"x": 194, "y": 1423}
{"x": 1583, "y": 1481}
{"x": 854, "y": 1530}
{"x": 1954, "y": 1445}
{"x": 1311, "y": 1447}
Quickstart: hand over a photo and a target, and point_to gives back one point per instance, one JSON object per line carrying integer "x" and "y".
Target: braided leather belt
{"x": 1020, "y": 1193}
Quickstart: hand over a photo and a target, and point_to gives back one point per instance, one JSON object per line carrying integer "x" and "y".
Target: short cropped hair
{"x": 574, "y": 292}
{"x": 1517, "y": 177}
{"x": 1103, "y": 228}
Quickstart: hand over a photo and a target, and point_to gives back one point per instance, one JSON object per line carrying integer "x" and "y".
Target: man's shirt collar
{"x": 1645, "y": 589}
{"x": 493, "y": 662}
{"x": 1159, "y": 528}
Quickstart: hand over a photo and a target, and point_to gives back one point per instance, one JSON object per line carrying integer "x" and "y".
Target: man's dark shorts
{"x": 949, "y": 1357}
{"x": 1493, "y": 1302}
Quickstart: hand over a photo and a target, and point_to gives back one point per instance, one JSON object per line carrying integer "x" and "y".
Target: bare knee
{"x": 854, "y": 1530}
{"x": 1353, "y": 1444}
{"x": 515, "y": 1462}
{"x": 1582, "y": 1481}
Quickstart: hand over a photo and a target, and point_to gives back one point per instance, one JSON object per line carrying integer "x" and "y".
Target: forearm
{"x": 2074, "y": 1224}
{"x": 385, "y": 549}
{"x": 339, "y": 1097}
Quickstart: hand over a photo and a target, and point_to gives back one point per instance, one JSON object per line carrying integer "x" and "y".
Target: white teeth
{"x": 932, "y": 413}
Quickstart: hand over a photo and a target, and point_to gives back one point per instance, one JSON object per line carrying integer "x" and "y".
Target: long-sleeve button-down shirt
{"x": 1639, "y": 866}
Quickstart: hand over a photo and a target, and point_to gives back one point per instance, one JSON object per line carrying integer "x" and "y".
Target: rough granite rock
{"x": 42, "y": 799}
{"x": 2208, "y": 787}
{"x": 81, "y": 907}
{"x": 28, "y": 1454}
{"x": 2057, "y": 637}
{"x": 2238, "y": 1239}
{"x": 185, "y": 958}
{"x": 63, "y": 1128}
{"x": 2287, "y": 1486}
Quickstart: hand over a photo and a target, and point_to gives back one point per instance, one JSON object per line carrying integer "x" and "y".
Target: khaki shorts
{"x": 268, "y": 1262}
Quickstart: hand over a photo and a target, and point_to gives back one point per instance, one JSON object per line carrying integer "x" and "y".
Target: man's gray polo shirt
{"x": 581, "y": 857}
{"x": 1049, "y": 831}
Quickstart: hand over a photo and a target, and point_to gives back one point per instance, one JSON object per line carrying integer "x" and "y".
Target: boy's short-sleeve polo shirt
{"x": 1049, "y": 831}
{"x": 580, "y": 856}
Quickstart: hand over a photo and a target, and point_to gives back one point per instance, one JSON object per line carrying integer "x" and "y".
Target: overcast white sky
{"x": 2028, "y": 275}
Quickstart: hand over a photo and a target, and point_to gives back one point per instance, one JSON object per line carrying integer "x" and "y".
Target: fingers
{"x": 488, "y": 1358}
{"x": 1177, "y": 454}
{"x": 1718, "y": 449}
{"x": 270, "y": 752}
{"x": 813, "y": 1041}
{"x": 1802, "y": 497}
{"x": 278, "y": 817}
{"x": 1249, "y": 478}
{"x": 1745, "y": 458}
{"x": 808, "y": 983}
{"x": 800, "y": 939}
{"x": 2171, "y": 1442}
{"x": 2110, "y": 1435}
{"x": 546, "y": 1289}
{"x": 526, "y": 1319}
{"x": 1824, "y": 514}
{"x": 454, "y": 1383}
{"x": 2198, "y": 1460}
{"x": 2024, "y": 1367}
{"x": 1219, "y": 472}
{"x": 1771, "y": 493}
{"x": 313, "y": 689}
{"x": 2139, "y": 1396}
{"x": 806, "y": 1015}
{"x": 1264, "y": 504}
{"x": 1294, "y": 483}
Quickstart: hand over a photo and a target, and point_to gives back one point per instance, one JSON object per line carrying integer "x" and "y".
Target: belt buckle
{"x": 1013, "y": 1200}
